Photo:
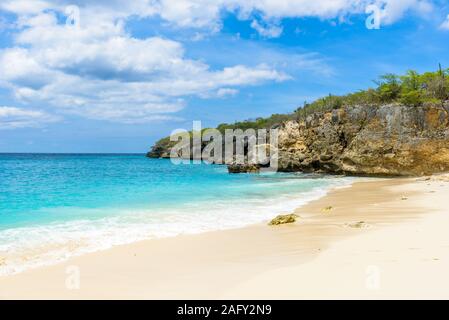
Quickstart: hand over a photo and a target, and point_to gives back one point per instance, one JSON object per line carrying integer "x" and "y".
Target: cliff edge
{"x": 387, "y": 140}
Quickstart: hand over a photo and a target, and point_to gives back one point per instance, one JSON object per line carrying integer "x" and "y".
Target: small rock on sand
{"x": 283, "y": 219}
{"x": 438, "y": 178}
{"x": 357, "y": 225}
{"x": 327, "y": 209}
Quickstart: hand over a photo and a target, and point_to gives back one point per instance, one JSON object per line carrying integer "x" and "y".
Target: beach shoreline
{"x": 28, "y": 247}
{"x": 341, "y": 247}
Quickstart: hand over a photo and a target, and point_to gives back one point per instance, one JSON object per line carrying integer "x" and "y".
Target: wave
{"x": 30, "y": 247}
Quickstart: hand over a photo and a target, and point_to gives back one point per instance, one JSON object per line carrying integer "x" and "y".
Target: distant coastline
{"x": 74, "y": 153}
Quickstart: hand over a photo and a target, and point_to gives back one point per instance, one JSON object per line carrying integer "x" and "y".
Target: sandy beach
{"x": 380, "y": 239}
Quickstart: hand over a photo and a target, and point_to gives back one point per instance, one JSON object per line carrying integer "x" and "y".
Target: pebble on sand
{"x": 327, "y": 209}
{"x": 283, "y": 219}
{"x": 358, "y": 225}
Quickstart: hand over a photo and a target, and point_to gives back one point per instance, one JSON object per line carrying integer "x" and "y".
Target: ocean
{"x": 55, "y": 206}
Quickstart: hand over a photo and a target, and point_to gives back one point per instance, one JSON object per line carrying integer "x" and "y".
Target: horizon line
{"x": 80, "y": 153}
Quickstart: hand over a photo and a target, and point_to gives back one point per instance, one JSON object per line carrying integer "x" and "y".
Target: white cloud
{"x": 208, "y": 14}
{"x": 394, "y": 10}
{"x": 225, "y": 92}
{"x": 99, "y": 71}
{"x": 267, "y": 30}
{"x": 96, "y": 69}
{"x": 445, "y": 24}
{"x": 24, "y": 6}
{"x": 12, "y": 118}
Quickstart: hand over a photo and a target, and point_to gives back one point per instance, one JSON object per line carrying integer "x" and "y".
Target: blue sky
{"x": 122, "y": 75}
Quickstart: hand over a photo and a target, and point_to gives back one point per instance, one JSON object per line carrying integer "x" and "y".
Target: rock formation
{"x": 386, "y": 140}
{"x": 283, "y": 219}
{"x": 362, "y": 140}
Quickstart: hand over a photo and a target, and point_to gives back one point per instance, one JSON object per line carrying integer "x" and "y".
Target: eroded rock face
{"x": 388, "y": 140}
{"x": 363, "y": 140}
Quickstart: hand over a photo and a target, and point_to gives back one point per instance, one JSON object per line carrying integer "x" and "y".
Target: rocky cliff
{"x": 386, "y": 140}
{"x": 362, "y": 140}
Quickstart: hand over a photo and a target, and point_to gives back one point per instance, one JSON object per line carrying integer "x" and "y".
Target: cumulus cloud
{"x": 24, "y": 6}
{"x": 267, "y": 30}
{"x": 12, "y": 118}
{"x": 96, "y": 69}
{"x": 224, "y": 92}
{"x": 208, "y": 14}
{"x": 394, "y": 10}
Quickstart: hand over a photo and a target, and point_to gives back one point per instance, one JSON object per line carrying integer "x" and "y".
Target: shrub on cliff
{"x": 412, "y": 89}
{"x": 389, "y": 88}
{"x": 411, "y": 98}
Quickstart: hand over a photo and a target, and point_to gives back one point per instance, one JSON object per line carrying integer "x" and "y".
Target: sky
{"x": 110, "y": 76}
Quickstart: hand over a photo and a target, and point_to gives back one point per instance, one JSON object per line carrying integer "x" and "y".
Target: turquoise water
{"x": 55, "y": 206}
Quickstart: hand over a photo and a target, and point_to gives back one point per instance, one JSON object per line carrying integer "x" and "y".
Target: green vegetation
{"x": 412, "y": 89}
{"x": 259, "y": 123}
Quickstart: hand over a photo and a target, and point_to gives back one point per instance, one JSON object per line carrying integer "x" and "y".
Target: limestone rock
{"x": 283, "y": 219}
{"x": 358, "y": 225}
{"x": 388, "y": 140}
{"x": 246, "y": 168}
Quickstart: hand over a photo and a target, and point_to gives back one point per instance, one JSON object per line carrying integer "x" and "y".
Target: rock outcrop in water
{"x": 245, "y": 168}
{"x": 386, "y": 140}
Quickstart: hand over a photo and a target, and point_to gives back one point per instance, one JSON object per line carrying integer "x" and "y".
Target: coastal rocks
{"x": 438, "y": 178}
{"x": 158, "y": 152}
{"x": 389, "y": 140}
{"x": 246, "y": 168}
{"x": 386, "y": 140}
{"x": 358, "y": 225}
{"x": 284, "y": 219}
{"x": 327, "y": 209}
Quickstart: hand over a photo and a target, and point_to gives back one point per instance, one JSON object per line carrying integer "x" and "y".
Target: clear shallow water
{"x": 56, "y": 206}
